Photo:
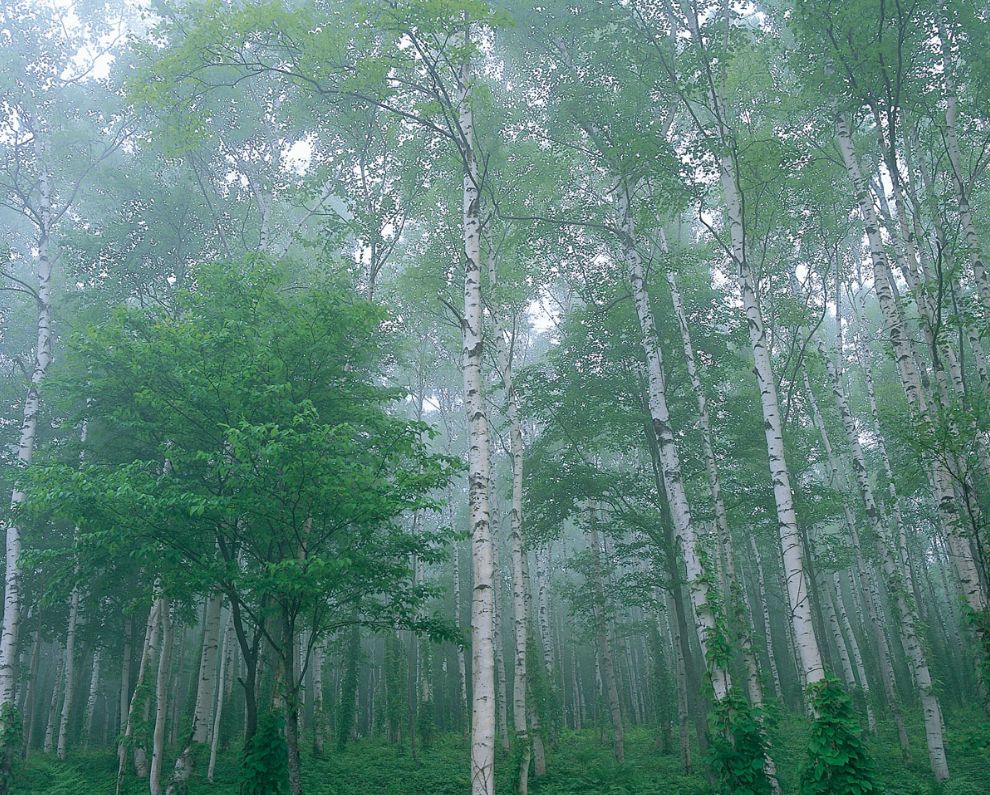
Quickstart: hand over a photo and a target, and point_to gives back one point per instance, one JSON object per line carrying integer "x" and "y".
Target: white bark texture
{"x": 482, "y": 603}
{"x": 896, "y": 579}
{"x": 670, "y": 464}
{"x": 959, "y": 548}
{"x": 206, "y": 684}
{"x": 25, "y": 446}
{"x": 606, "y": 660}
{"x": 226, "y": 665}
{"x": 69, "y": 673}
{"x": 161, "y": 700}
{"x": 139, "y": 697}
{"x": 92, "y": 696}
{"x": 792, "y": 548}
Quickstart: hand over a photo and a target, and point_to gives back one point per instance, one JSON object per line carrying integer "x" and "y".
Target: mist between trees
{"x": 443, "y": 396}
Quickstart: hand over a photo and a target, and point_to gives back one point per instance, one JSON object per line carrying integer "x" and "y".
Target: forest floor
{"x": 582, "y": 764}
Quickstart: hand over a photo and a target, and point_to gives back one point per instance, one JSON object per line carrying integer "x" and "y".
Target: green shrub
{"x": 837, "y": 763}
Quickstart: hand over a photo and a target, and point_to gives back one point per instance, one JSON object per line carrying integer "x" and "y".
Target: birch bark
{"x": 959, "y": 547}
{"x": 482, "y": 603}
{"x": 225, "y": 677}
{"x": 161, "y": 700}
{"x": 69, "y": 673}
{"x": 896, "y": 580}
{"x": 92, "y": 697}
{"x": 604, "y": 642}
{"x": 202, "y": 711}
{"x": 139, "y": 697}
{"x": 702, "y": 596}
{"x": 25, "y": 446}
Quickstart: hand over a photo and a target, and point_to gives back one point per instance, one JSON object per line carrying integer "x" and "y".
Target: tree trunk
{"x": 319, "y": 718}
{"x": 871, "y": 596}
{"x": 960, "y": 551}
{"x": 765, "y": 608}
{"x": 290, "y": 704}
{"x": 91, "y": 698}
{"x": 605, "y": 643}
{"x": 482, "y": 603}
{"x": 49, "y": 744}
{"x": 462, "y": 672}
{"x": 791, "y": 544}
{"x": 897, "y": 584}
{"x": 139, "y": 698}
{"x": 161, "y": 700}
{"x": 543, "y": 605}
{"x": 223, "y": 689}
{"x": 702, "y": 596}
{"x": 31, "y": 696}
{"x": 854, "y": 650}
{"x": 69, "y": 683}
{"x": 25, "y": 451}
{"x": 206, "y": 684}
{"x": 680, "y": 672}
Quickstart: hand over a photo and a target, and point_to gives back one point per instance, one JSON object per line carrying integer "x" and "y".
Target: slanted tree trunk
{"x": 223, "y": 690}
{"x": 973, "y": 248}
{"x": 854, "y": 650}
{"x": 136, "y": 710}
{"x": 897, "y": 582}
{"x": 25, "y": 452}
{"x": 732, "y": 595}
{"x": 702, "y": 596}
{"x": 202, "y": 710}
{"x": 791, "y": 544}
{"x": 960, "y": 552}
{"x": 872, "y": 597}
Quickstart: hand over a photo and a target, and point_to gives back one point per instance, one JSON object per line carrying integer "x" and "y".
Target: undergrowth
{"x": 582, "y": 764}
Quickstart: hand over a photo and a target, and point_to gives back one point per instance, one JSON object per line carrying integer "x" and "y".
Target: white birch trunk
{"x": 840, "y": 644}
{"x": 767, "y": 630}
{"x": 960, "y": 552}
{"x": 854, "y": 650}
{"x": 69, "y": 673}
{"x": 482, "y": 603}
{"x": 161, "y": 700}
{"x": 973, "y": 249}
{"x": 607, "y": 663}
{"x": 897, "y": 583}
{"x": 680, "y": 673}
{"x": 92, "y": 697}
{"x": 792, "y": 548}
{"x": 225, "y": 677}
{"x": 670, "y": 465}
{"x": 25, "y": 446}
{"x": 206, "y": 684}
{"x": 49, "y": 744}
{"x": 139, "y": 699}
{"x": 505, "y": 348}
{"x": 462, "y": 672}
{"x": 543, "y": 605}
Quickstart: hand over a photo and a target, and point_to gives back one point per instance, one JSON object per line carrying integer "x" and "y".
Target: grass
{"x": 582, "y": 764}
